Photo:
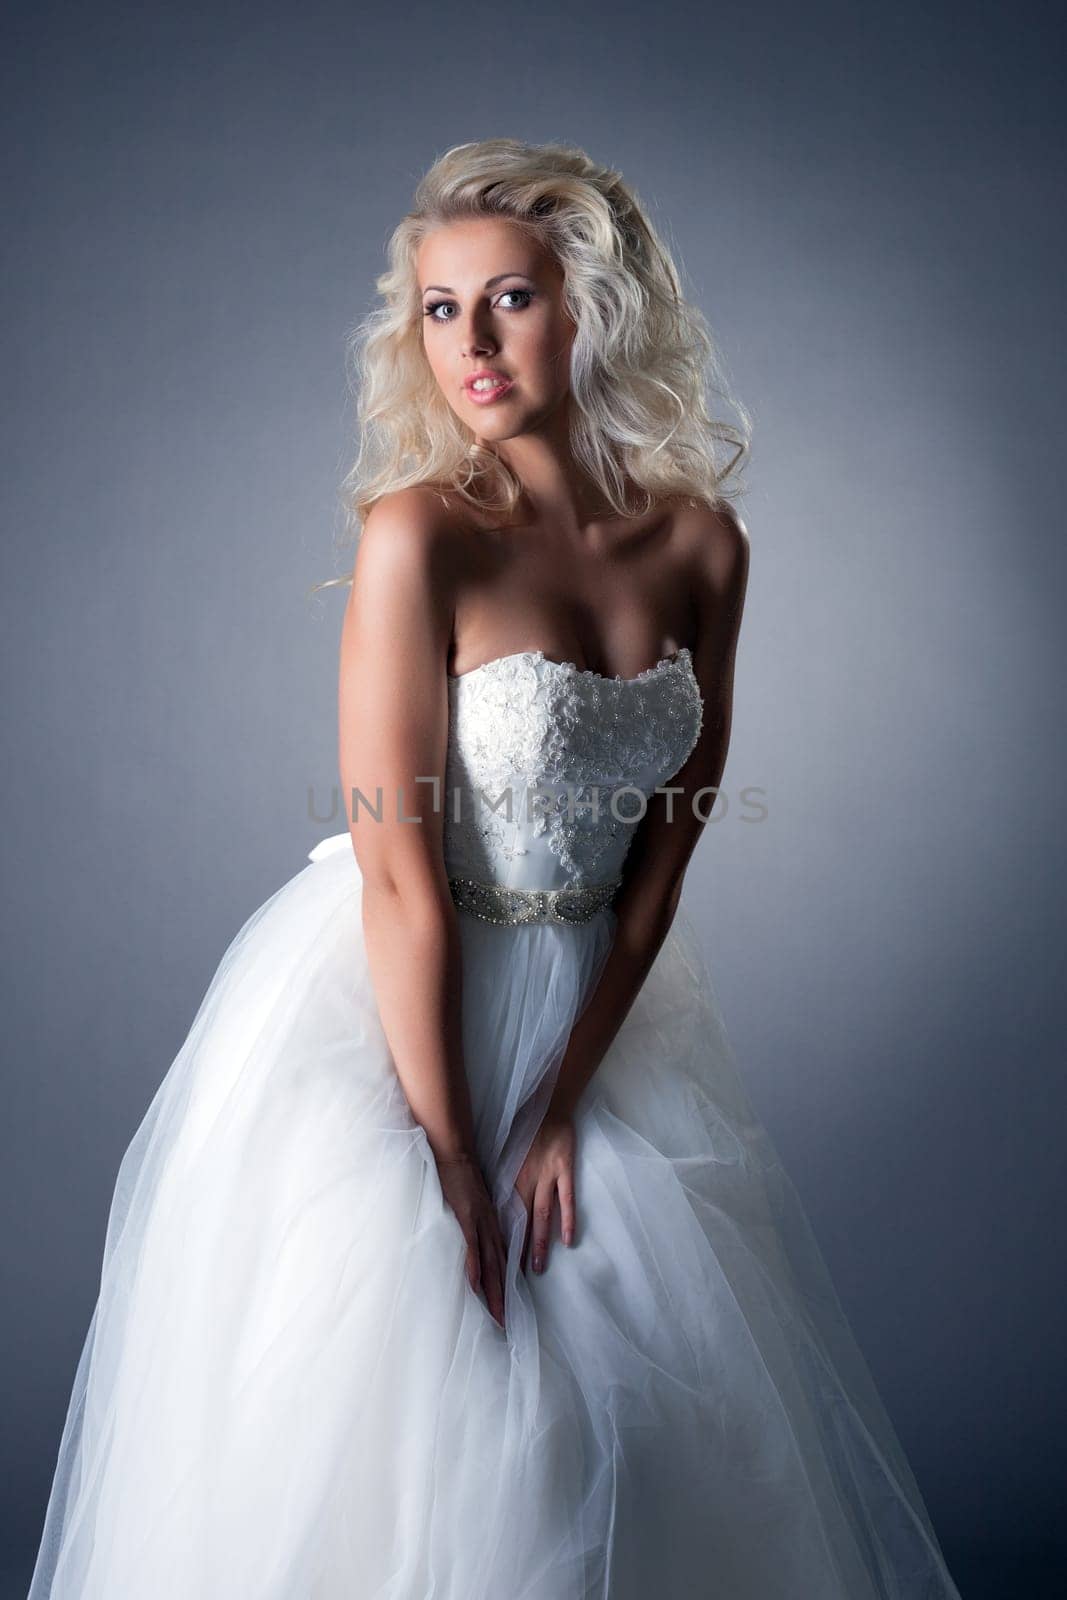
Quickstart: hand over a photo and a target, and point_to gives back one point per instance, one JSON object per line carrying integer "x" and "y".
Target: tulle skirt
{"x": 289, "y": 1390}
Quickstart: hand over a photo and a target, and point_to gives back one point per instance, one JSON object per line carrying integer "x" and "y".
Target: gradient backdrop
{"x": 865, "y": 203}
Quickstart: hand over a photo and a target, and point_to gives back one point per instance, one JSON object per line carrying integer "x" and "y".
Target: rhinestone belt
{"x": 493, "y": 902}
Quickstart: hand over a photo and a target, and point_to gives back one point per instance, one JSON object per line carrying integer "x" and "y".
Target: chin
{"x": 528, "y": 419}
{"x": 497, "y": 430}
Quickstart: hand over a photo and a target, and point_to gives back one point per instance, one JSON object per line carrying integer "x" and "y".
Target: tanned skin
{"x": 438, "y": 590}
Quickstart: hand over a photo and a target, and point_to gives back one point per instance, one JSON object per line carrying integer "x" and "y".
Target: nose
{"x": 477, "y": 338}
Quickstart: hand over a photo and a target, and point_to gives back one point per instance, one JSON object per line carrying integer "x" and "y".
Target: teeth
{"x": 481, "y": 384}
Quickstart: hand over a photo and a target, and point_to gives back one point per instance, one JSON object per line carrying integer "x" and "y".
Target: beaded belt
{"x": 494, "y": 902}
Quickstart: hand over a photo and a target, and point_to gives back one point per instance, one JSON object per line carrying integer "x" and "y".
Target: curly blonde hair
{"x": 642, "y": 362}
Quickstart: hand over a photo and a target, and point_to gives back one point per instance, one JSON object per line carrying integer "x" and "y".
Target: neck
{"x": 556, "y": 488}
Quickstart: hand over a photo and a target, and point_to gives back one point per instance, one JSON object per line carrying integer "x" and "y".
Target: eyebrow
{"x": 439, "y": 288}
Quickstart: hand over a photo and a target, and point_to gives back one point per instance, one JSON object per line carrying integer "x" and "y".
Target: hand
{"x": 463, "y": 1186}
{"x": 545, "y": 1177}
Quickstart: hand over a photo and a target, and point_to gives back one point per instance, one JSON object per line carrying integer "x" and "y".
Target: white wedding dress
{"x": 289, "y": 1390}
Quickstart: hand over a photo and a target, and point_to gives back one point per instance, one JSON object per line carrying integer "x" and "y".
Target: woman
{"x": 450, "y": 1259}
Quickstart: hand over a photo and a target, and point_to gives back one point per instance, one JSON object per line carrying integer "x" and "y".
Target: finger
{"x": 499, "y": 1246}
{"x": 567, "y": 1212}
{"x": 542, "y": 1224}
{"x": 503, "y": 1249}
{"x": 524, "y": 1253}
{"x": 503, "y": 1258}
{"x": 473, "y": 1263}
{"x": 491, "y": 1277}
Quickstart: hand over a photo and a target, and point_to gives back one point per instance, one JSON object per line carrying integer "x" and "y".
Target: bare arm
{"x": 393, "y": 703}
{"x": 659, "y": 854}
{"x": 393, "y": 729}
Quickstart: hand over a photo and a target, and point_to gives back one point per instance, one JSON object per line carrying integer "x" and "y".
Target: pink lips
{"x": 485, "y": 397}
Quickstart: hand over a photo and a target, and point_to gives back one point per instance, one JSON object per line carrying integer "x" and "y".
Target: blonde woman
{"x": 450, "y": 1259}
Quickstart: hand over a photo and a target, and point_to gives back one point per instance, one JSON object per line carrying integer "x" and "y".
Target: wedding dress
{"x": 289, "y": 1390}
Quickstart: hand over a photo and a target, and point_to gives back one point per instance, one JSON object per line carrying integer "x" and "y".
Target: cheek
{"x": 434, "y": 361}
{"x": 548, "y": 347}
{"x": 563, "y": 338}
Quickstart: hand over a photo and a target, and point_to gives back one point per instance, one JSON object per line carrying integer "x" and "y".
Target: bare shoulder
{"x": 410, "y": 522}
{"x": 713, "y": 543}
{"x": 403, "y": 582}
{"x": 716, "y": 555}
{"x": 410, "y": 541}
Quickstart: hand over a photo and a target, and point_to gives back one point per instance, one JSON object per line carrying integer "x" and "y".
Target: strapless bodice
{"x": 549, "y": 765}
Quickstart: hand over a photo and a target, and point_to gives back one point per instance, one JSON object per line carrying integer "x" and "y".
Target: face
{"x": 492, "y": 301}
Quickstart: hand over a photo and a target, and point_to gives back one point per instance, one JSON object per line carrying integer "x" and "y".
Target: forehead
{"x": 475, "y": 248}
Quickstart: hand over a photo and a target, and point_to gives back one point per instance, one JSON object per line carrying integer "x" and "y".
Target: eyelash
{"x": 435, "y": 306}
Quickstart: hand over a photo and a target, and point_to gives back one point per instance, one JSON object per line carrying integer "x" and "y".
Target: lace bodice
{"x": 571, "y": 753}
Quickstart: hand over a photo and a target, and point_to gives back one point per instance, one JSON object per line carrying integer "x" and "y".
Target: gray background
{"x": 864, "y": 202}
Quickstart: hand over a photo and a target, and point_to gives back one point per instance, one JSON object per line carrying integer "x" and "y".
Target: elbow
{"x": 415, "y": 892}
{"x": 645, "y": 911}
{"x": 418, "y": 905}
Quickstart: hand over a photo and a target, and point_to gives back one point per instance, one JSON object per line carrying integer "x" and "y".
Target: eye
{"x": 431, "y": 310}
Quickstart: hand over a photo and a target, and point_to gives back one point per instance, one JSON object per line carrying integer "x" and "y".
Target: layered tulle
{"x": 289, "y": 1391}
